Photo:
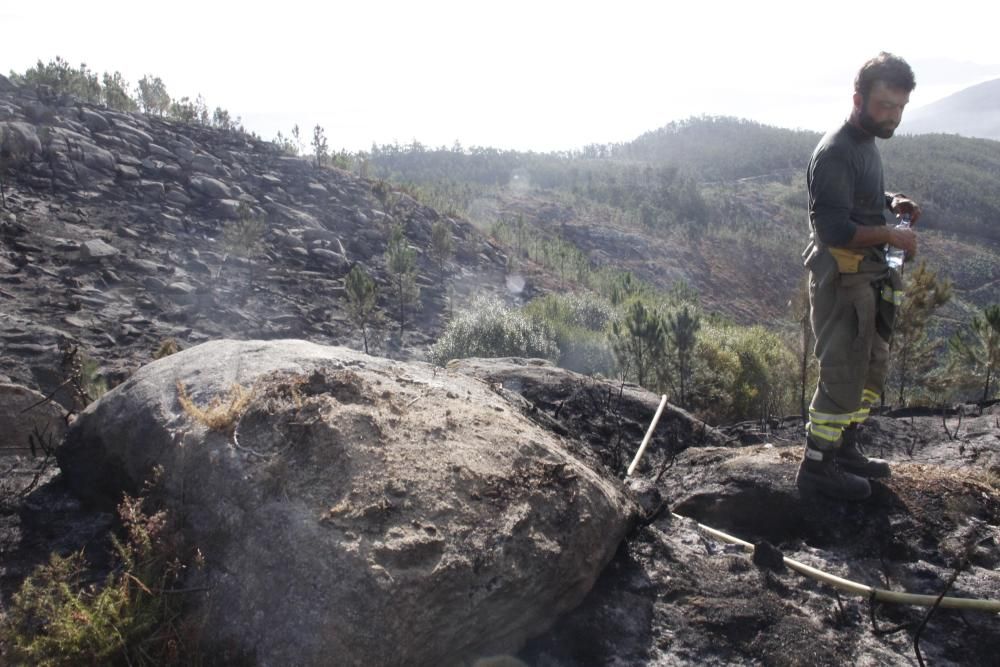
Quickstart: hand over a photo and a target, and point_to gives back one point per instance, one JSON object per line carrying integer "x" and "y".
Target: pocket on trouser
{"x": 843, "y": 346}
{"x": 840, "y": 386}
{"x": 835, "y": 324}
{"x": 821, "y": 264}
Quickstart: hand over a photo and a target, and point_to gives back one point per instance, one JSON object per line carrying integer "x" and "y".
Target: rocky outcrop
{"x": 603, "y": 421}
{"x": 380, "y": 512}
{"x": 113, "y": 240}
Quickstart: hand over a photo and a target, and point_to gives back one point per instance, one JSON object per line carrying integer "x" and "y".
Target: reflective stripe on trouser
{"x": 868, "y": 399}
{"x": 853, "y": 357}
{"x": 826, "y": 428}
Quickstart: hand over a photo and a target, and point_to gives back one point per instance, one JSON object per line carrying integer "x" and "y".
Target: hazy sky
{"x": 534, "y": 75}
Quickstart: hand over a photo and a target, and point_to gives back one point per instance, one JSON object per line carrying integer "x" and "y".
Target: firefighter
{"x": 853, "y": 293}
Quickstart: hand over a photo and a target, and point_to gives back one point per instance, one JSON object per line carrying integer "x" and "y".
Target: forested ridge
{"x": 718, "y": 205}
{"x": 672, "y": 260}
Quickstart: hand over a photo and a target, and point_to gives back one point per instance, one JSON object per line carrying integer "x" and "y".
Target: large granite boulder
{"x": 358, "y": 510}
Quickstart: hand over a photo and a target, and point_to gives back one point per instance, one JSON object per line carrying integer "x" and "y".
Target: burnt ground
{"x": 673, "y": 595}
{"x": 47, "y": 519}
{"x": 676, "y": 596}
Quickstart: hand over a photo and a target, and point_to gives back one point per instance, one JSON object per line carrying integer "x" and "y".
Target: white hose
{"x": 649, "y": 434}
{"x": 853, "y": 587}
{"x": 879, "y": 594}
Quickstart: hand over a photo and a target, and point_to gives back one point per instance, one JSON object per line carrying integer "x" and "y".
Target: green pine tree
{"x": 221, "y": 119}
{"x": 62, "y": 77}
{"x": 913, "y": 354}
{"x": 622, "y": 287}
{"x": 319, "y": 145}
{"x": 115, "y": 94}
{"x": 153, "y": 97}
{"x": 681, "y": 328}
{"x": 442, "y": 245}
{"x": 639, "y": 340}
{"x": 362, "y": 295}
{"x": 978, "y": 348}
{"x": 401, "y": 261}
{"x": 244, "y": 238}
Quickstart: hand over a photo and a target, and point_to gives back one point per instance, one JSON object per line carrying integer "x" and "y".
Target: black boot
{"x": 820, "y": 472}
{"x": 852, "y": 458}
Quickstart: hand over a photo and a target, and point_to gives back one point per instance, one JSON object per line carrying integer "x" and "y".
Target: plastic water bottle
{"x": 894, "y": 256}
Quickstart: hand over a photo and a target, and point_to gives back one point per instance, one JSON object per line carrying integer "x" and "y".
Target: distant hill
{"x": 712, "y": 200}
{"x": 973, "y": 112}
{"x": 722, "y": 147}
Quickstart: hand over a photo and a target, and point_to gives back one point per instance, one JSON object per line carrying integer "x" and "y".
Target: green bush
{"x": 586, "y": 352}
{"x": 584, "y": 311}
{"x": 743, "y": 373}
{"x": 579, "y": 325}
{"x": 93, "y": 384}
{"x": 713, "y": 383}
{"x": 491, "y": 329}
{"x": 57, "y": 621}
{"x": 58, "y": 618}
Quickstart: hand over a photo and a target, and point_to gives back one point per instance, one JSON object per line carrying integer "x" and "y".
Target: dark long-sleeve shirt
{"x": 846, "y": 185}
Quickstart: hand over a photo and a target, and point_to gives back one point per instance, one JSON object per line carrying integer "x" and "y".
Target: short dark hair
{"x": 885, "y": 67}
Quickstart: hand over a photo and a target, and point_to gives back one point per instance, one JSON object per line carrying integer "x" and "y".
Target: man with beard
{"x": 853, "y": 293}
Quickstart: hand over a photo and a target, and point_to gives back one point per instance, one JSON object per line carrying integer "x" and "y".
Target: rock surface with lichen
{"x": 380, "y": 512}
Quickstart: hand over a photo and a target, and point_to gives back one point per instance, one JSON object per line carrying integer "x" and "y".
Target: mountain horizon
{"x": 971, "y": 112}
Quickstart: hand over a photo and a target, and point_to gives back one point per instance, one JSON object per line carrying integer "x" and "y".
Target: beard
{"x": 882, "y": 130}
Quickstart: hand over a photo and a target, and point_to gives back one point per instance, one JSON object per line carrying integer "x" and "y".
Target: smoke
{"x": 515, "y": 283}
{"x": 520, "y": 181}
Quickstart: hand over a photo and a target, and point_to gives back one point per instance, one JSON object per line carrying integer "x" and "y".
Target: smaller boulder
{"x": 28, "y": 420}
{"x": 94, "y": 121}
{"x": 181, "y": 292}
{"x": 152, "y": 190}
{"x": 19, "y": 139}
{"x": 127, "y": 173}
{"x": 95, "y": 250}
{"x": 228, "y": 209}
{"x": 329, "y": 258}
{"x": 210, "y": 187}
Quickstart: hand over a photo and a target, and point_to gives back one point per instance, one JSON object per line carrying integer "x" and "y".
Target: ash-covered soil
{"x": 675, "y": 596}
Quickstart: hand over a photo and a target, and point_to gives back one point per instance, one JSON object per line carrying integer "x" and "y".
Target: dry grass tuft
{"x": 167, "y": 347}
{"x": 222, "y": 413}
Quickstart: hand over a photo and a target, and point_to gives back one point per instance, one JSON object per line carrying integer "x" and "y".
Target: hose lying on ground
{"x": 878, "y": 594}
{"x": 853, "y": 587}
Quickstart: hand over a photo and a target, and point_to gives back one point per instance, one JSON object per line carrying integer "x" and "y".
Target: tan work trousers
{"x": 852, "y": 323}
